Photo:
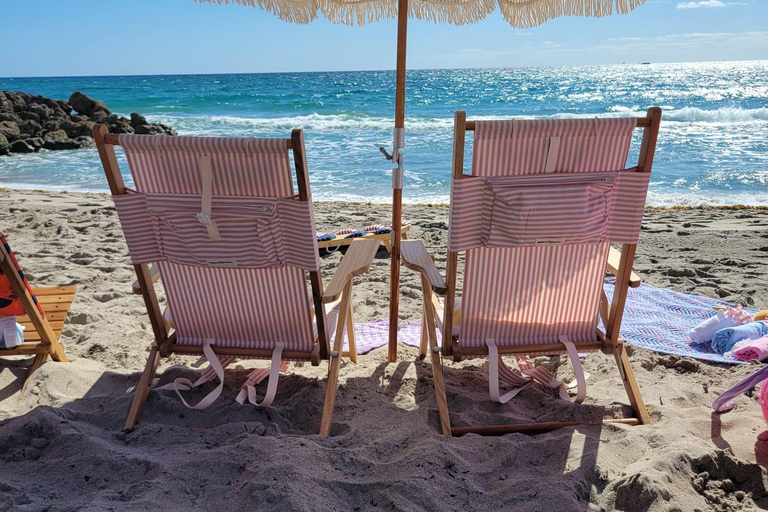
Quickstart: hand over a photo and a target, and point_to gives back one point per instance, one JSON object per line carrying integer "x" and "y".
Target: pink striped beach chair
{"x": 535, "y": 219}
{"x": 233, "y": 245}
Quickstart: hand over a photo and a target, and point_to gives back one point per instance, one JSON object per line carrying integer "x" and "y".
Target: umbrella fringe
{"x": 294, "y": 11}
{"x": 456, "y": 12}
{"x": 519, "y": 13}
{"x": 358, "y": 12}
{"x": 532, "y": 13}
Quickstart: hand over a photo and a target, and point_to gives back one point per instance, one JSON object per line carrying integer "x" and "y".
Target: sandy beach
{"x": 62, "y": 447}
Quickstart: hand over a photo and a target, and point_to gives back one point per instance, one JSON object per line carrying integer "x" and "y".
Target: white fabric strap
{"x": 206, "y": 176}
{"x": 545, "y": 377}
{"x": 581, "y": 381}
{"x": 182, "y": 384}
{"x": 493, "y": 376}
{"x": 274, "y": 374}
{"x": 554, "y": 148}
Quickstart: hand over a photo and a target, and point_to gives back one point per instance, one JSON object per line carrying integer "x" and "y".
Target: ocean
{"x": 712, "y": 148}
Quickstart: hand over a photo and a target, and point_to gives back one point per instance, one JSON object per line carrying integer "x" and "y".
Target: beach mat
{"x": 656, "y": 319}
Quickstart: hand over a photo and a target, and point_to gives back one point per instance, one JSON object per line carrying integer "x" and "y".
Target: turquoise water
{"x": 713, "y": 145}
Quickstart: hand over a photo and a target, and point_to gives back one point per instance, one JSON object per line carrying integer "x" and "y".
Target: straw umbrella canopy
{"x": 519, "y": 14}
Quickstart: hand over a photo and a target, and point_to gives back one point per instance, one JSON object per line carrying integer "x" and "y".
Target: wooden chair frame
{"x": 41, "y": 339}
{"x": 355, "y": 262}
{"x": 415, "y": 257}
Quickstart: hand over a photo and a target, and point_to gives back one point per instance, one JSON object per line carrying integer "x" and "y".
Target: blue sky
{"x": 98, "y": 37}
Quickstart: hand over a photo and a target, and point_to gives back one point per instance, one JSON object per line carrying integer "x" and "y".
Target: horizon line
{"x": 375, "y": 70}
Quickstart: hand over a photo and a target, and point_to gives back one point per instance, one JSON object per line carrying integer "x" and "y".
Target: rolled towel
{"x": 705, "y": 331}
{"x": 373, "y": 227}
{"x": 356, "y": 234}
{"x": 345, "y": 231}
{"x": 724, "y": 339}
{"x": 324, "y": 237}
{"x": 752, "y": 350}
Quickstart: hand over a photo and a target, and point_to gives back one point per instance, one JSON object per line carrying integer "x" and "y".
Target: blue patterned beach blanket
{"x": 659, "y": 319}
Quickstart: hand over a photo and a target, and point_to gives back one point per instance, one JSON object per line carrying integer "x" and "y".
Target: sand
{"x": 62, "y": 447}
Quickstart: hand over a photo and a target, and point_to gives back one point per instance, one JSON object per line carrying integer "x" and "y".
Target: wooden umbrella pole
{"x": 397, "y": 179}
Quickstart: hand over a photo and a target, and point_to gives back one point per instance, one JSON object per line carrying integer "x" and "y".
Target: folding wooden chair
{"x": 45, "y": 312}
{"x": 233, "y": 244}
{"x": 535, "y": 219}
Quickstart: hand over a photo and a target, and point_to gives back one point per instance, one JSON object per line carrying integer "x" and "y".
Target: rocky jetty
{"x": 30, "y": 123}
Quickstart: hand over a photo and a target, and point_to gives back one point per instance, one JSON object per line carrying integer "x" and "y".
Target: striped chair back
{"x": 232, "y": 240}
{"x": 536, "y": 217}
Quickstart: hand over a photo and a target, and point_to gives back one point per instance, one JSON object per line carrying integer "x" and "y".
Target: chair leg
{"x": 142, "y": 389}
{"x": 630, "y": 384}
{"x": 334, "y": 364}
{"x": 424, "y": 337}
{"x": 436, "y": 357}
{"x": 351, "y": 335}
{"x": 36, "y": 363}
{"x": 440, "y": 398}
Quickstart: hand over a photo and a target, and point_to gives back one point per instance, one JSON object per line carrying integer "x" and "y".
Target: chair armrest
{"x": 416, "y": 257}
{"x": 614, "y": 257}
{"x": 357, "y": 260}
{"x": 154, "y": 274}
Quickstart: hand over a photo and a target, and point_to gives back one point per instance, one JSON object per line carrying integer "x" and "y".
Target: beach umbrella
{"x": 519, "y": 14}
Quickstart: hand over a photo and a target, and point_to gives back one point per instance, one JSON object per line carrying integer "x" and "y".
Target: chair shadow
{"x": 716, "y": 432}
{"x": 394, "y": 424}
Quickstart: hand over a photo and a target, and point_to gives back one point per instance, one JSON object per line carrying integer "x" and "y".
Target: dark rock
{"x": 119, "y": 125}
{"x": 9, "y": 116}
{"x": 148, "y": 129}
{"x": 100, "y": 116}
{"x": 9, "y": 129}
{"x": 137, "y": 119}
{"x": 35, "y": 142}
{"x": 30, "y": 116}
{"x": 17, "y": 100}
{"x": 64, "y": 106}
{"x": 5, "y": 148}
{"x": 52, "y": 125}
{"x": 5, "y": 103}
{"x": 21, "y": 146}
{"x": 36, "y": 122}
{"x": 80, "y": 129}
{"x": 84, "y": 104}
{"x": 43, "y": 111}
{"x": 59, "y": 140}
{"x": 86, "y": 141}
{"x": 30, "y": 127}
{"x": 168, "y": 130}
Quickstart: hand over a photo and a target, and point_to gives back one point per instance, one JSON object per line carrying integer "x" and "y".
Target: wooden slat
{"x": 532, "y": 349}
{"x": 416, "y": 257}
{"x": 29, "y": 348}
{"x": 55, "y": 290}
{"x": 355, "y": 262}
{"x": 56, "y": 325}
{"x": 33, "y": 336}
{"x": 642, "y": 122}
{"x": 52, "y": 316}
{"x": 614, "y": 258}
{"x": 240, "y": 352}
{"x": 114, "y": 139}
{"x": 341, "y": 242}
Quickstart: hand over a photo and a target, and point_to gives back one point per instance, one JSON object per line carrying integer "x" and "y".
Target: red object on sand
{"x": 10, "y": 305}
